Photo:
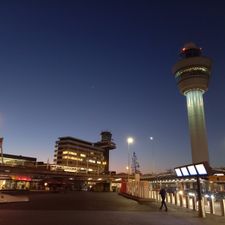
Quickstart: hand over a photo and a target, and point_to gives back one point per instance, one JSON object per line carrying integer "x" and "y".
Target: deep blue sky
{"x": 80, "y": 67}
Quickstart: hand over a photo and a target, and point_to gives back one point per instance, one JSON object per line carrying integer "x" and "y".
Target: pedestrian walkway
{"x": 178, "y": 215}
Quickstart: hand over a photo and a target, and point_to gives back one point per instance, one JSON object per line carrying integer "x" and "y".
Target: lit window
{"x": 192, "y": 69}
{"x": 91, "y": 161}
{"x": 82, "y": 155}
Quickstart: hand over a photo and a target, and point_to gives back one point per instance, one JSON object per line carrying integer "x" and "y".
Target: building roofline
{"x": 19, "y": 157}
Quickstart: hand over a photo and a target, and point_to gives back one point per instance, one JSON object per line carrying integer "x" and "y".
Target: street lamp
{"x": 130, "y": 140}
{"x": 152, "y": 155}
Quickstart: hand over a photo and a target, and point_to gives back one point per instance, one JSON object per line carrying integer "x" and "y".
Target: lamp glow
{"x": 130, "y": 140}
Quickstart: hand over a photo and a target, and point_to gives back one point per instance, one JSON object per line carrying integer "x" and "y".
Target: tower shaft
{"x": 197, "y": 127}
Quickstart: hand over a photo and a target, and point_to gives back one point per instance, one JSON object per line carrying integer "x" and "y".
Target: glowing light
{"x": 178, "y": 172}
{"x": 192, "y": 170}
{"x": 181, "y": 192}
{"x": 191, "y": 194}
{"x": 130, "y": 140}
{"x": 91, "y": 161}
{"x": 184, "y": 171}
{"x": 192, "y": 69}
{"x": 201, "y": 169}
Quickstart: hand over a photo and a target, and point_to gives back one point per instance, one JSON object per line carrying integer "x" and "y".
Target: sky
{"x": 77, "y": 68}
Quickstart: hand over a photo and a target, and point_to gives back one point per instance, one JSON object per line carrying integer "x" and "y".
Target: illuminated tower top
{"x": 193, "y": 70}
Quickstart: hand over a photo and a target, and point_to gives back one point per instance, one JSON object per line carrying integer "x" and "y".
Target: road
{"x": 89, "y": 208}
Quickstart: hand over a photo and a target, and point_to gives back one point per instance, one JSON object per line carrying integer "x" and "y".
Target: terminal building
{"x": 76, "y": 155}
{"x": 18, "y": 160}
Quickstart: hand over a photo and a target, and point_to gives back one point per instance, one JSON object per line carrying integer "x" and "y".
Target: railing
{"x": 142, "y": 189}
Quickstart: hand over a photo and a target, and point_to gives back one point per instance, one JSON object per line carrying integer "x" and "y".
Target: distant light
{"x": 130, "y": 140}
{"x": 151, "y": 138}
{"x": 181, "y": 192}
{"x": 192, "y": 194}
{"x": 219, "y": 174}
{"x": 118, "y": 179}
{"x": 183, "y": 49}
{"x": 45, "y": 184}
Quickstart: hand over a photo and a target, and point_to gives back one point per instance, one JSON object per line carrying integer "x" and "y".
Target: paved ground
{"x": 88, "y": 208}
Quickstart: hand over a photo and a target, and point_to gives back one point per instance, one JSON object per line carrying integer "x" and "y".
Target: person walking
{"x": 162, "y": 193}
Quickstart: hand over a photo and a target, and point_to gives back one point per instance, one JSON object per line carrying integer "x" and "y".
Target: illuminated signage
{"x": 184, "y": 171}
{"x": 201, "y": 169}
{"x": 198, "y": 169}
{"x": 178, "y": 172}
{"x": 192, "y": 170}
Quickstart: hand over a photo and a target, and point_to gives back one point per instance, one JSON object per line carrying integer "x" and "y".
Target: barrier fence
{"x": 143, "y": 189}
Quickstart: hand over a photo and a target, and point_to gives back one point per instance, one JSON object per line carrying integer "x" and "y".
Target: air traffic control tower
{"x": 107, "y": 144}
{"x": 192, "y": 74}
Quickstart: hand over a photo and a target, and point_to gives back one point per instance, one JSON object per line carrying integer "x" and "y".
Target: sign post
{"x": 197, "y": 170}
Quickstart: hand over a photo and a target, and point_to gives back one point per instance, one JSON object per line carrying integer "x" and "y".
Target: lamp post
{"x": 152, "y": 139}
{"x": 130, "y": 140}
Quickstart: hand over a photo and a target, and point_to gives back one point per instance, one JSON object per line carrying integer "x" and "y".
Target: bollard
{"x": 181, "y": 200}
{"x": 167, "y": 198}
{"x": 222, "y": 206}
{"x": 187, "y": 201}
{"x": 171, "y": 198}
{"x": 193, "y": 203}
{"x": 175, "y": 198}
{"x": 202, "y": 208}
{"x": 212, "y": 206}
{"x": 157, "y": 196}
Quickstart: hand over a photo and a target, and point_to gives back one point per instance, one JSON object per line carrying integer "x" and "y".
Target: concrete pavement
{"x": 95, "y": 209}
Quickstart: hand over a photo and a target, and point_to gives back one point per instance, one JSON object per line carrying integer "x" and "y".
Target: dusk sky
{"x": 76, "y": 68}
